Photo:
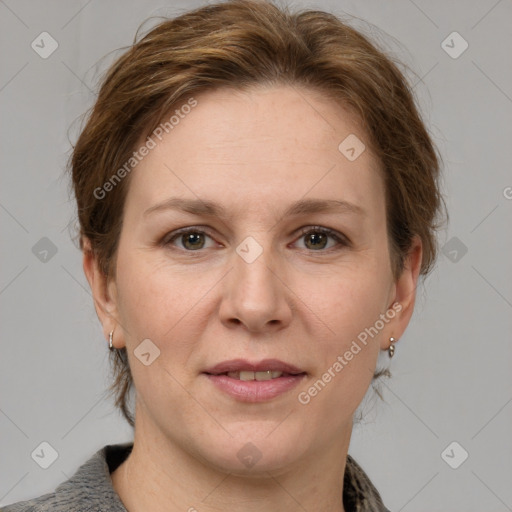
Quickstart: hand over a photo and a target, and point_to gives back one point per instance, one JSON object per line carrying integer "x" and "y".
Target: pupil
{"x": 190, "y": 239}
{"x": 317, "y": 239}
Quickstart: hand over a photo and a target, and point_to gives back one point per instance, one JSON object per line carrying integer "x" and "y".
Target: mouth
{"x": 241, "y": 369}
{"x": 247, "y": 375}
{"x": 254, "y": 382}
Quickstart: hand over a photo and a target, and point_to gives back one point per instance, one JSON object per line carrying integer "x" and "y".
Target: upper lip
{"x": 237, "y": 365}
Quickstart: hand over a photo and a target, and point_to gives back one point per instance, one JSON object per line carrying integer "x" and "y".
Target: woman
{"x": 257, "y": 197}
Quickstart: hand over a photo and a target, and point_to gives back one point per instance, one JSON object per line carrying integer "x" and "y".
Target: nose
{"x": 256, "y": 295}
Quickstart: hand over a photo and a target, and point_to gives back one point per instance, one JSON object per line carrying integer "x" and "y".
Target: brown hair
{"x": 237, "y": 44}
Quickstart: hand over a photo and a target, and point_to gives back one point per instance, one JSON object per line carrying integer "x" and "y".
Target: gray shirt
{"x": 90, "y": 488}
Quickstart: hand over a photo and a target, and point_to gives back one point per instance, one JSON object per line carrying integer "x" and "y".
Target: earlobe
{"x": 102, "y": 291}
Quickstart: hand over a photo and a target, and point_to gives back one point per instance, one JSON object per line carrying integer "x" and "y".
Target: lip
{"x": 254, "y": 391}
{"x": 236, "y": 365}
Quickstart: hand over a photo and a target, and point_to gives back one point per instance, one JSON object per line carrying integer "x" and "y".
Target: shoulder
{"x": 43, "y": 503}
{"x": 88, "y": 490}
{"x": 359, "y": 493}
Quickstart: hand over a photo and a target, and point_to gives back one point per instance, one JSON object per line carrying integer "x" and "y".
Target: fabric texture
{"x": 90, "y": 488}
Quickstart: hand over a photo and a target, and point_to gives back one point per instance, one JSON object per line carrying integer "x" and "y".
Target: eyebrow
{"x": 301, "y": 207}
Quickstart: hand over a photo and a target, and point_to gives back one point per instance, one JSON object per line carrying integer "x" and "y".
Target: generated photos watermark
{"x": 304, "y": 397}
{"x": 137, "y": 156}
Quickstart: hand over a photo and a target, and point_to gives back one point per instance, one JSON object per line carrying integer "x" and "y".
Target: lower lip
{"x": 254, "y": 390}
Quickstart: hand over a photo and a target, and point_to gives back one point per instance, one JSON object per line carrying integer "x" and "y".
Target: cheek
{"x": 149, "y": 292}
{"x": 349, "y": 309}
{"x": 141, "y": 300}
{"x": 160, "y": 303}
{"x": 353, "y": 298}
{"x": 156, "y": 303}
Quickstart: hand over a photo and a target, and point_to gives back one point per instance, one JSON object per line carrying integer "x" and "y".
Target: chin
{"x": 255, "y": 453}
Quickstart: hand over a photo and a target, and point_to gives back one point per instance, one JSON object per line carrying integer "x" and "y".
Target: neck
{"x": 163, "y": 476}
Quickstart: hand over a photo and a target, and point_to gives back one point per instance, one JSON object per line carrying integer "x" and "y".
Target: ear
{"x": 103, "y": 290}
{"x": 404, "y": 293}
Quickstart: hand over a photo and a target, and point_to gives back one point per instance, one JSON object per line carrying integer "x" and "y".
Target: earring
{"x": 110, "y": 336}
{"x": 391, "y": 349}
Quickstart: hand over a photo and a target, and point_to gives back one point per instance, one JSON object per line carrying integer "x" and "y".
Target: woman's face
{"x": 255, "y": 280}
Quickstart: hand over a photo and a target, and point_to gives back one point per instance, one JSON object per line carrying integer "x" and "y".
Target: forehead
{"x": 263, "y": 142}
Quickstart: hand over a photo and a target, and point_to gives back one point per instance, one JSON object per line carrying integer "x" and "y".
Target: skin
{"x": 255, "y": 153}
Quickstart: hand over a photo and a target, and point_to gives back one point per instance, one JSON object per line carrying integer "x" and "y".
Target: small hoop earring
{"x": 110, "y": 336}
{"x": 391, "y": 349}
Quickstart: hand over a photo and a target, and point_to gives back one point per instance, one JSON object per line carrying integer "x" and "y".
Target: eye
{"x": 191, "y": 238}
{"x": 316, "y": 237}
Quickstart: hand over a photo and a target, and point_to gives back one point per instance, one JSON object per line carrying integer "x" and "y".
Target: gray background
{"x": 451, "y": 373}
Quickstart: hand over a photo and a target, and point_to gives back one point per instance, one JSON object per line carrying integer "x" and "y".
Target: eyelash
{"x": 342, "y": 240}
